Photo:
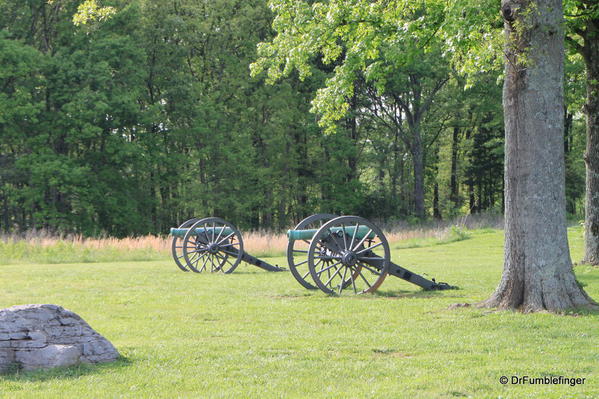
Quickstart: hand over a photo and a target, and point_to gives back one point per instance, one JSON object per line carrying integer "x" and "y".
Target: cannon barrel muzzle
{"x": 349, "y": 230}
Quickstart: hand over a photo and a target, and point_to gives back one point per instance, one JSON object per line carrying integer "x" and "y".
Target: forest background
{"x": 132, "y": 125}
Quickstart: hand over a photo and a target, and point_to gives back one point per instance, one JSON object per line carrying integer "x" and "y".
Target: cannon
{"x": 211, "y": 244}
{"x": 345, "y": 253}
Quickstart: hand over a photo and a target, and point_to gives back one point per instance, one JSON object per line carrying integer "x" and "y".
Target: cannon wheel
{"x": 350, "y": 270}
{"x": 177, "y": 245}
{"x": 213, "y": 249}
{"x": 298, "y": 249}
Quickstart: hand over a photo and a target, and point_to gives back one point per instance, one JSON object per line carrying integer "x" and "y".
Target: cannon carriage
{"x": 212, "y": 245}
{"x": 347, "y": 253}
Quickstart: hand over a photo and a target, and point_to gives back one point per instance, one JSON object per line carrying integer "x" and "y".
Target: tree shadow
{"x": 592, "y": 311}
{"x": 63, "y": 373}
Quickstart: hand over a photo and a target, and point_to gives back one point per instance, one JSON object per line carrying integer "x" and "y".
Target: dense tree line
{"x": 134, "y": 124}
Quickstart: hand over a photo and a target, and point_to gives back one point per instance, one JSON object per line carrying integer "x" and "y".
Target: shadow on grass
{"x": 424, "y": 243}
{"x": 235, "y": 272}
{"x": 418, "y": 294}
{"x": 583, "y": 312}
{"x": 306, "y": 294}
{"x": 61, "y": 373}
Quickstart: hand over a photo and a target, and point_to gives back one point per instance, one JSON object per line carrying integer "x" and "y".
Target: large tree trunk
{"x": 591, "y": 156}
{"x": 537, "y": 271}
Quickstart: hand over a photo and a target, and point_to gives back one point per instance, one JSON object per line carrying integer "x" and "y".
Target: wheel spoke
{"x": 192, "y": 257}
{"x": 351, "y": 276}
{"x": 334, "y": 274}
{"x": 342, "y": 280}
{"x": 369, "y": 269}
{"x": 364, "y": 278}
{"x": 366, "y": 249}
{"x": 327, "y": 268}
{"x": 219, "y": 233}
{"x": 225, "y": 260}
{"x": 301, "y": 263}
{"x": 221, "y": 264}
{"x": 197, "y": 250}
{"x": 344, "y": 239}
{"x": 226, "y": 238}
{"x": 353, "y": 237}
{"x": 206, "y": 232}
{"x": 194, "y": 260}
{"x": 204, "y": 264}
{"x": 362, "y": 240}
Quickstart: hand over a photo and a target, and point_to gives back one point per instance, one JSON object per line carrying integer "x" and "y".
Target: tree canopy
{"x": 146, "y": 114}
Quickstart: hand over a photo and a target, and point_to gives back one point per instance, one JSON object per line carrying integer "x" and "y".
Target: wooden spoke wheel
{"x": 297, "y": 250}
{"x": 212, "y": 244}
{"x": 177, "y": 245}
{"x": 357, "y": 252}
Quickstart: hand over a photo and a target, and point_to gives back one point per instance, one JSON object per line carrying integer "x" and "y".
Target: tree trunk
{"x": 568, "y": 124}
{"x": 591, "y": 156}
{"x": 454, "y": 196}
{"x": 537, "y": 271}
{"x": 436, "y": 210}
{"x": 471, "y": 197}
{"x": 418, "y": 160}
{"x": 5, "y": 218}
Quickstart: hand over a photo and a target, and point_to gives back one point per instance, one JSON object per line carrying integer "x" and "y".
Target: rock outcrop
{"x": 46, "y": 336}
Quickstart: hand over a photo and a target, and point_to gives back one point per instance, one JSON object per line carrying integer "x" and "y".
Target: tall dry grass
{"x": 40, "y": 246}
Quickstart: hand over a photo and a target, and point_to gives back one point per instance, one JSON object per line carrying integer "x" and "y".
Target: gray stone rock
{"x": 7, "y": 359}
{"x": 46, "y": 336}
{"x": 49, "y": 356}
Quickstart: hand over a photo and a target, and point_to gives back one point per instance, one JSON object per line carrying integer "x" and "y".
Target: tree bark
{"x": 591, "y": 156}
{"x": 454, "y": 196}
{"x": 418, "y": 164}
{"x": 436, "y": 210}
{"x": 537, "y": 271}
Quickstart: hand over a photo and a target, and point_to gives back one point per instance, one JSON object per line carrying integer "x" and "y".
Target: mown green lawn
{"x": 254, "y": 334}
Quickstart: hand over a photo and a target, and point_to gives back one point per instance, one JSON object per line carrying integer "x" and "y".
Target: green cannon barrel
{"x": 349, "y": 230}
{"x": 201, "y": 230}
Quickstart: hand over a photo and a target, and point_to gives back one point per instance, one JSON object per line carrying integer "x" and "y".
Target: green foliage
{"x": 473, "y": 35}
{"x": 136, "y": 121}
{"x": 358, "y": 37}
{"x": 89, "y": 11}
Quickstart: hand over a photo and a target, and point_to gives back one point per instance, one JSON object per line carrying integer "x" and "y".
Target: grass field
{"x": 254, "y": 334}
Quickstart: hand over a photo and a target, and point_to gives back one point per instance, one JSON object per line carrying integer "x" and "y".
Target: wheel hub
{"x": 349, "y": 258}
{"x": 213, "y": 248}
